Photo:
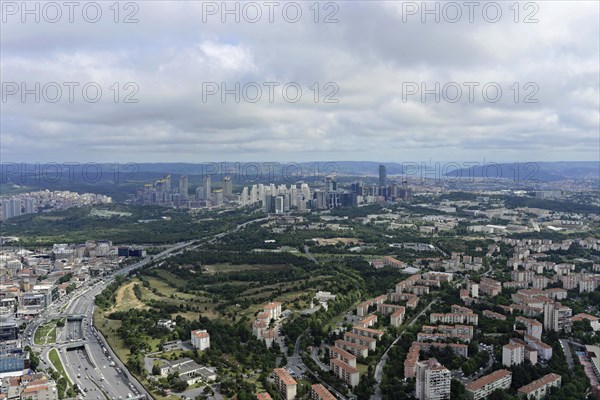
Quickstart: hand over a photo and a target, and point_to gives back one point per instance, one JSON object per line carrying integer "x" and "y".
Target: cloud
{"x": 353, "y": 77}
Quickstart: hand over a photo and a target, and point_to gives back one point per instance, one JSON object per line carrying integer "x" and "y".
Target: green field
{"x": 55, "y": 360}
{"x": 45, "y": 334}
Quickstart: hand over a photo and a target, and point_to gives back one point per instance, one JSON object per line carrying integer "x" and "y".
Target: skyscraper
{"x": 207, "y": 188}
{"x": 183, "y": 188}
{"x": 227, "y": 187}
{"x": 382, "y": 176}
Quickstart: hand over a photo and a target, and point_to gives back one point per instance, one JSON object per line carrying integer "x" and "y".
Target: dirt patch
{"x": 125, "y": 299}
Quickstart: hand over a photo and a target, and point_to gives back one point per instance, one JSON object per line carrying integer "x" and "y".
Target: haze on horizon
{"x": 372, "y": 55}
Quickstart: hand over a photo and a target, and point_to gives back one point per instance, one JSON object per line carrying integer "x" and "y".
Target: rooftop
{"x": 486, "y": 380}
{"x": 284, "y": 376}
{"x": 535, "y": 385}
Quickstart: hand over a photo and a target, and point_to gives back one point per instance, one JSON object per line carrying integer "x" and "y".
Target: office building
{"x": 207, "y": 188}
{"x": 183, "y": 188}
{"x": 382, "y": 176}
{"x": 227, "y": 187}
{"x": 433, "y": 380}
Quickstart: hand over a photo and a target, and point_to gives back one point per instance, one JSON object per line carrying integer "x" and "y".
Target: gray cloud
{"x": 368, "y": 54}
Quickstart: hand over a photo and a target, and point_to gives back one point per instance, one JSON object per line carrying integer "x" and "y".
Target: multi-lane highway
{"x": 86, "y": 356}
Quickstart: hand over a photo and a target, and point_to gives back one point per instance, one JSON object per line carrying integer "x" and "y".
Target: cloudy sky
{"x": 348, "y": 80}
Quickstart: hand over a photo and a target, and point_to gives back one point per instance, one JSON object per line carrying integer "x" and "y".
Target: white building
{"x": 433, "y": 380}
{"x": 513, "y": 354}
{"x": 200, "y": 339}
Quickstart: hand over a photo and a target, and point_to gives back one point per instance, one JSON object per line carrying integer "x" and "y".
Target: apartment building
{"x": 388, "y": 308}
{"x": 368, "y": 321}
{"x": 490, "y": 287}
{"x": 484, "y": 386}
{"x": 397, "y": 317}
{"x": 354, "y": 348}
{"x": 319, "y": 392}
{"x": 538, "y": 389}
{"x": 342, "y": 355}
{"x": 433, "y": 380}
{"x": 451, "y": 318}
{"x": 263, "y": 396}
{"x": 286, "y": 385}
{"x": 544, "y": 350}
{"x": 494, "y": 315}
{"x": 371, "y": 343}
{"x": 345, "y": 372}
{"x": 372, "y": 333}
{"x": 557, "y": 317}
{"x": 534, "y": 328}
{"x": 513, "y": 354}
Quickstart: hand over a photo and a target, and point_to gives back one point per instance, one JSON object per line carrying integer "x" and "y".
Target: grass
{"x": 45, "y": 334}
{"x": 125, "y": 298}
{"x": 55, "y": 360}
{"x": 108, "y": 327}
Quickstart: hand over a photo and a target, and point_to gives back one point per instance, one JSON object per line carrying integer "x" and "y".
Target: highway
{"x": 86, "y": 356}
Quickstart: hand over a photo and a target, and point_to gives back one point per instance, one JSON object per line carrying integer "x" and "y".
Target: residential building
{"x": 345, "y": 372}
{"x": 433, "y": 380}
{"x": 538, "y": 389}
{"x": 483, "y": 387}
{"x": 342, "y": 355}
{"x": 533, "y": 327}
{"x": 319, "y": 392}
{"x": 397, "y": 317}
{"x": 358, "y": 350}
{"x": 286, "y": 385}
{"x": 513, "y": 354}
{"x": 557, "y": 317}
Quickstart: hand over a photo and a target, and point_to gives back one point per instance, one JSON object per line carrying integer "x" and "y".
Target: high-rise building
{"x": 557, "y": 317}
{"x": 269, "y": 204}
{"x": 183, "y": 188}
{"x": 433, "y": 380}
{"x": 382, "y": 176}
{"x": 227, "y": 186}
{"x": 199, "y": 193}
{"x": 513, "y": 354}
{"x": 29, "y": 205}
{"x": 207, "y": 187}
{"x": 279, "y": 205}
{"x": 11, "y": 208}
{"x": 330, "y": 183}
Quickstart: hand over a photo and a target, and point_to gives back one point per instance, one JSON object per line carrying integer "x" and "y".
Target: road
{"x": 85, "y": 354}
{"x": 383, "y": 360}
{"x": 296, "y": 364}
